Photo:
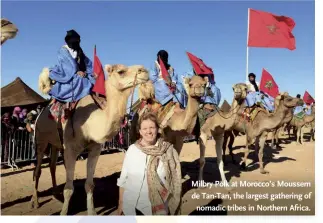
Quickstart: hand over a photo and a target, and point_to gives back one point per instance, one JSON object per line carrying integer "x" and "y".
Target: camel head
{"x": 286, "y": 100}
{"x": 123, "y": 77}
{"x": 195, "y": 86}
{"x": 146, "y": 91}
{"x": 8, "y": 30}
{"x": 240, "y": 91}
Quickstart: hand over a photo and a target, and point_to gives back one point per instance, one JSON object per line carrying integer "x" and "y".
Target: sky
{"x": 133, "y": 32}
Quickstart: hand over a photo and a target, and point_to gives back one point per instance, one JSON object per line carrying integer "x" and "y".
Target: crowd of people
{"x": 19, "y": 120}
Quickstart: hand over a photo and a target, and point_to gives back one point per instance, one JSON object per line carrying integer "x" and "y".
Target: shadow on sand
{"x": 106, "y": 195}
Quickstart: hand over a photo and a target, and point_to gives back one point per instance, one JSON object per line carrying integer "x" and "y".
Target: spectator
{"x": 15, "y": 117}
{"x": 150, "y": 181}
{"x": 7, "y": 129}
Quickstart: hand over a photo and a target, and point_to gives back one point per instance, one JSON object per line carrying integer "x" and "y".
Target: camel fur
{"x": 8, "y": 30}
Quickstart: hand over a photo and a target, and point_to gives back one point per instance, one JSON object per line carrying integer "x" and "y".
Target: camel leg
{"x": 53, "y": 161}
{"x": 218, "y": 149}
{"x": 89, "y": 184}
{"x": 298, "y": 134}
{"x": 302, "y": 134}
{"x": 273, "y": 138}
{"x": 246, "y": 153}
{"x": 224, "y": 146}
{"x": 70, "y": 156}
{"x": 277, "y": 136}
{"x": 230, "y": 146}
{"x": 261, "y": 145}
{"x": 202, "y": 144}
{"x": 40, "y": 149}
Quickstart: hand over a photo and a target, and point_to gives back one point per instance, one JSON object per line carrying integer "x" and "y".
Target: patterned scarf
{"x": 172, "y": 190}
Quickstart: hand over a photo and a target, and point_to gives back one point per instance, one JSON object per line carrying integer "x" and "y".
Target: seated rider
{"x": 256, "y": 97}
{"x": 163, "y": 93}
{"x": 300, "y": 106}
{"x": 212, "y": 96}
{"x": 73, "y": 74}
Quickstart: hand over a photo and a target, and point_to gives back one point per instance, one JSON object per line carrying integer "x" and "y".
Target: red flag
{"x": 269, "y": 30}
{"x": 268, "y": 84}
{"x": 307, "y": 98}
{"x": 199, "y": 66}
{"x": 98, "y": 70}
{"x": 163, "y": 70}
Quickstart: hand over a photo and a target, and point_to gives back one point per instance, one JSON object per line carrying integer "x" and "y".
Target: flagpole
{"x": 247, "y": 62}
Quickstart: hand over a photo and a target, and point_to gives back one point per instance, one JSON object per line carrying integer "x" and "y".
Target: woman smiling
{"x": 150, "y": 180}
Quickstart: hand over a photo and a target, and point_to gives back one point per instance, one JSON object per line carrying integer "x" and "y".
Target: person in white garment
{"x": 150, "y": 180}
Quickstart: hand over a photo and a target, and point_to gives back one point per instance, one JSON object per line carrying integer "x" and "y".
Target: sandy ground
{"x": 290, "y": 163}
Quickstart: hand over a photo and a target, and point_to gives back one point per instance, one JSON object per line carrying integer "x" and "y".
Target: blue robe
{"x": 207, "y": 99}
{"x": 256, "y": 97}
{"x": 298, "y": 109}
{"x": 162, "y": 93}
{"x": 215, "y": 100}
{"x": 69, "y": 85}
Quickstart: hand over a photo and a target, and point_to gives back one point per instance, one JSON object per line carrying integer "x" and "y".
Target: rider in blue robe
{"x": 300, "y": 106}
{"x": 212, "y": 92}
{"x": 257, "y": 97}
{"x": 73, "y": 73}
{"x": 163, "y": 93}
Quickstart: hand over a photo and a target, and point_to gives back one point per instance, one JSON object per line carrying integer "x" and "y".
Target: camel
{"x": 256, "y": 130}
{"x": 276, "y": 131}
{"x": 217, "y": 124}
{"x": 87, "y": 128}
{"x": 179, "y": 124}
{"x": 299, "y": 124}
{"x": 263, "y": 123}
{"x": 8, "y": 30}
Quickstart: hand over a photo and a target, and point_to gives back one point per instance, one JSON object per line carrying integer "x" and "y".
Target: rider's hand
{"x": 81, "y": 73}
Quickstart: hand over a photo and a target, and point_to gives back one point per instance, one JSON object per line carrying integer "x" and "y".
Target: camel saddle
{"x": 299, "y": 115}
{"x": 250, "y": 113}
{"x": 163, "y": 113}
{"x": 61, "y": 111}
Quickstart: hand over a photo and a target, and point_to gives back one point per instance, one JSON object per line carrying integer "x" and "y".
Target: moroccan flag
{"x": 199, "y": 66}
{"x": 269, "y": 30}
{"x": 307, "y": 98}
{"x": 268, "y": 84}
{"x": 163, "y": 70}
{"x": 98, "y": 70}
{"x": 165, "y": 74}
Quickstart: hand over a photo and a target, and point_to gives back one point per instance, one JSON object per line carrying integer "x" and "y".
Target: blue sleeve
{"x": 64, "y": 71}
{"x": 153, "y": 75}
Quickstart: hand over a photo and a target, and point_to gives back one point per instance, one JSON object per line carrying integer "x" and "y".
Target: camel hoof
{"x": 229, "y": 188}
{"x": 243, "y": 166}
{"x": 63, "y": 212}
{"x": 262, "y": 171}
{"x": 34, "y": 205}
{"x": 92, "y": 212}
